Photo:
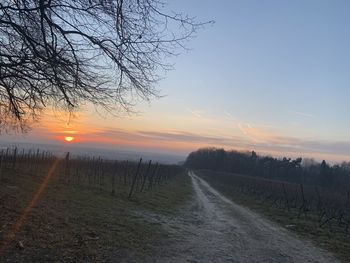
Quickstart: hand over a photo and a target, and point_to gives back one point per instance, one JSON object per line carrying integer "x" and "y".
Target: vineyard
{"x": 79, "y": 207}
{"x": 328, "y": 207}
{"x": 95, "y": 172}
{"x": 307, "y": 209}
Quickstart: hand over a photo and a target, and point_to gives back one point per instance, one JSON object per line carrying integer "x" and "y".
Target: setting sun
{"x": 69, "y": 138}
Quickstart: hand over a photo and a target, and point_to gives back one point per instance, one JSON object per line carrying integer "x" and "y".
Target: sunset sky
{"x": 270, "y": 76}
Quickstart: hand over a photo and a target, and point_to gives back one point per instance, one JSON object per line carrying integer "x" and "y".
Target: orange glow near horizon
{"x": 147, "y": 133}
{"x": 69, "y": 138}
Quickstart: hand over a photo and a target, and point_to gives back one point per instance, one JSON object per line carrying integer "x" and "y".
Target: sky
{"x": 269, "y": 76}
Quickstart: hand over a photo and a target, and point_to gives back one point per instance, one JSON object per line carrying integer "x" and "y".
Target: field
{"x": 86, "y": 209}
{"x": 83, "y": 209}
{"x": 315, "y": 213}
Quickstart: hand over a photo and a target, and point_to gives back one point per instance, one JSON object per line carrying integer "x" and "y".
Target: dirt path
{"x": 214, "y": 229}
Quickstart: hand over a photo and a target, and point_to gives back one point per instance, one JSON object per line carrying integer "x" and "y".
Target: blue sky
{"x": 268, "y": 75}
{"x": 278, "y": 64}
{"x": 264, "y": 60}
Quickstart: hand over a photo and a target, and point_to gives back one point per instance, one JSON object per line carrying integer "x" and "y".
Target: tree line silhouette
{"x": 302, "y": 171}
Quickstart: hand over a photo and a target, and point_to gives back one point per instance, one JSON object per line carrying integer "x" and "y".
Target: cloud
{"x": 229, "y": 115}
{"x": 257, "y": 134}
{"x": 196, "y": 113}
{"x": 171, "y": 136}
{"x": 255, "y": 139}
{"x": 244, "y": 127}
{"x": 303, "y": 114}
{"x": 262, "y": 140}
{"x": 266, "y": 140}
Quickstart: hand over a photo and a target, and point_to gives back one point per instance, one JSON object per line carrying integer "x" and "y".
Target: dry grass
{"x": 75, "y": 223}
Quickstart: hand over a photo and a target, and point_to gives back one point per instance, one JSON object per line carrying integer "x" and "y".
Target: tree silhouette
{"x": 284, "y": 169}
{"x": 64, "y": 53}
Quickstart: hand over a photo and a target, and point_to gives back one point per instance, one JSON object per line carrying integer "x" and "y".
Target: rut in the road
{"x": 214, "y": 229}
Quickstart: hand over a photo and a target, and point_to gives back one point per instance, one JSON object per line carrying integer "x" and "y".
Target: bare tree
{"x": 63, "y": 53}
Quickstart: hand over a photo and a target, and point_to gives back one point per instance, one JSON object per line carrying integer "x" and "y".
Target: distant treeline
{"x": 298, "y": 170}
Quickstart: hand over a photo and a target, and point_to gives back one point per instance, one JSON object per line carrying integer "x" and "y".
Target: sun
{"x": 69, "y": 138}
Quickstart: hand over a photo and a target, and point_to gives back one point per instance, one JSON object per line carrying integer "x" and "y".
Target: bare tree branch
{"x": 63, "y": 53}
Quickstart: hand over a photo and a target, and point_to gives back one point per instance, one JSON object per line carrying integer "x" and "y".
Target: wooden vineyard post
{"x": 136, "y": 187}
{"x": 158, "y": 175}
{"x": 114, "y": 171}
{"x": 145, "y": 175}
{"x": 286, "y": 196}
{"x": 100, "y": 174}
{"x": 37, "y": 161}
{"x": 1, "y": 160}
{"x": 303, "y": 205}
{"x": 14, "y": 158}
{"x": 134, "y": 179}
{"x": 96, "y": 171}
{"x": 126, "y": 171}
{"x": 296, "y": 197}
{"x": 77, "y": 174}
{"x": 321, "y": 212}
{"x": 113, "y": 183}
{"x": 6, "y": 157}
{"x": 22, "y": 157}
{"x": 29, "y": 160}
{"x": 91, "y": 170}
{"x": 66, "y": 168}
{"x": 347, "y": 223}
{"x": 152, "y": 176}
{"x": 319, "y": 201}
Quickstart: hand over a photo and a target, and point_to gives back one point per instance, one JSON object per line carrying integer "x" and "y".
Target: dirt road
{"x": 214, "y": 229}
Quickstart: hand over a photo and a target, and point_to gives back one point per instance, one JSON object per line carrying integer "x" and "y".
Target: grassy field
{"x": 330, "y": 237}
{"x": 74, "y": 223}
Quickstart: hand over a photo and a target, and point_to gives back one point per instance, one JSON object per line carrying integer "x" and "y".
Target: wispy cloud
{"x": 244, "y": 127}
{"x": 257, "y": 134}
{"x": 197, "y": 113}
{"x": 259, "y": 138}
{"x": 165, "y": 136}
{"x": 254, "y": 139}
{"x": 267, "y": 140}
{"x": 303, "y": 114}
{"x": 229, "y": 115}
